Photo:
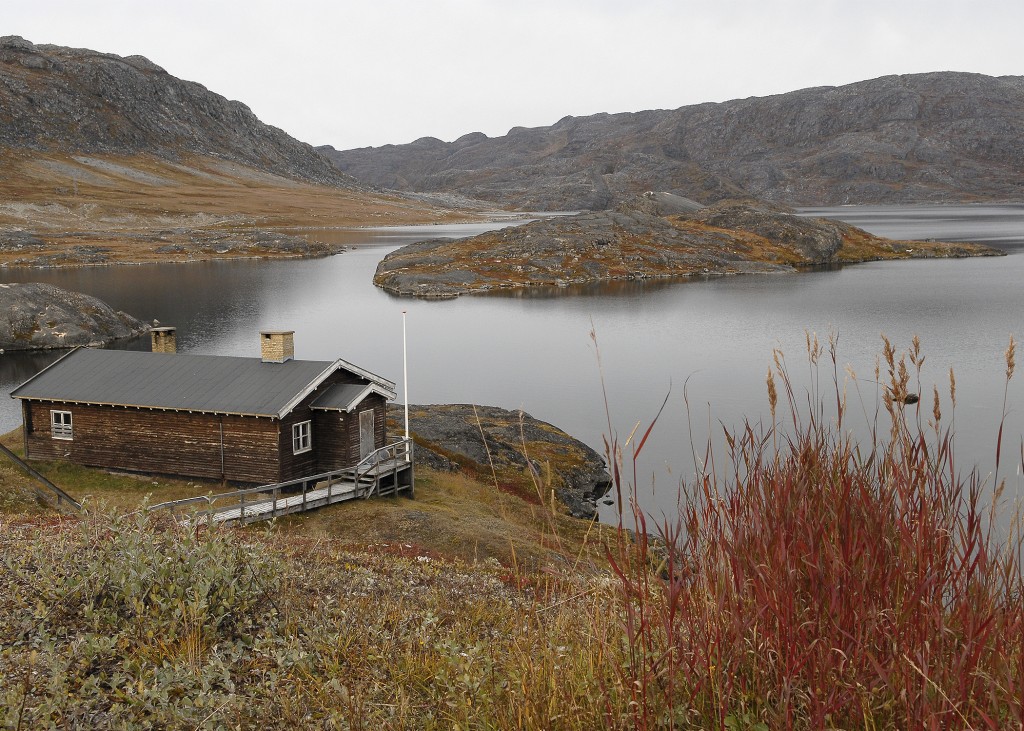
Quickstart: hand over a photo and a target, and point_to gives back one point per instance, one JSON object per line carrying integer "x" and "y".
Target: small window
{"x": 300, "y": 437}
{"x": 60, "y": 424}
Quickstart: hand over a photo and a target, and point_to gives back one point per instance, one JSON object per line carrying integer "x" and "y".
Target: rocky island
{"x": 39, "y": 316}
{"x": 655, "y": 236}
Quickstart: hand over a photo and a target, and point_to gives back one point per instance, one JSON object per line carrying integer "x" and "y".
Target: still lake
{"x": 534, "y": 350}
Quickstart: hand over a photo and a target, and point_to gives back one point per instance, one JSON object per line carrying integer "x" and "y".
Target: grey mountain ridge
{"x": 944, "y": 136}
{"x": 74, "y": 100}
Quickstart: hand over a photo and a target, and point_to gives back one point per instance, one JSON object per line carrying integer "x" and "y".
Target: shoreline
{"x": 318, "y": 249}
{"x": 562, "y": 287}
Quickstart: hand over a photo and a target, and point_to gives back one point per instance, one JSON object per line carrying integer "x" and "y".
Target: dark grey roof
{"x": 347, "y": 396}
{"x": 180, "y": 381}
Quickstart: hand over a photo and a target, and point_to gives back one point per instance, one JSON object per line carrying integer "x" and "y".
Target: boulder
{"x": 39, "y": 316}
{"x": 451, "y": 437}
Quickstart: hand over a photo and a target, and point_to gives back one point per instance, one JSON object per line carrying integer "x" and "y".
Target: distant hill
{"x": 925, "y": 137}
{"x": 56, "y": 99}
{"x": 107, "y": 159}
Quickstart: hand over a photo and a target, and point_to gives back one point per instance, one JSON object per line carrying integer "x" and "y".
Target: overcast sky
{"x": 352, "y": 74}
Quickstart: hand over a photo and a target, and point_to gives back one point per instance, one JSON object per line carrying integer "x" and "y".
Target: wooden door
{"x": 366, "y": 441}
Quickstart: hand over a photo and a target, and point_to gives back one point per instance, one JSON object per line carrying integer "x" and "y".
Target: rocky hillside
{"x": 924, "y": 137}
{"x": 636, "y": 241}
{"x": 38, "y": 316}
{"x": 77, "y": 100}
{"x": 107, "y": 159}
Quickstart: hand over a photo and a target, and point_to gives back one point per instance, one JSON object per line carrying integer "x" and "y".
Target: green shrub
{"x": 126, "y": 614}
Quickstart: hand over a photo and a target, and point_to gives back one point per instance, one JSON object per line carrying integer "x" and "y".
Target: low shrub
{"x": 129, "y": 616}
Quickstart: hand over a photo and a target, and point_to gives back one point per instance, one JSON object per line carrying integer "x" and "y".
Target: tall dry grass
{"x": 812, "y": 581}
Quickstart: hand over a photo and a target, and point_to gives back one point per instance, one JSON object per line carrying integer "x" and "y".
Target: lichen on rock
{"x": 492, "y": 441}
{"x": 38, "y": 316}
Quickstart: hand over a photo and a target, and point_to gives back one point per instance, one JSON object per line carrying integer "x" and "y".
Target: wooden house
{"x": 247, "y": 420}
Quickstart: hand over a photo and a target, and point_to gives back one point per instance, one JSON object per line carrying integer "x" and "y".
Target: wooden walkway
{"x": 387, "y": 471}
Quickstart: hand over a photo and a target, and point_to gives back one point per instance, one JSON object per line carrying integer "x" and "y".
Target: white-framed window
{"x": 301, "y": 441}
{"x": 60, "y": 425}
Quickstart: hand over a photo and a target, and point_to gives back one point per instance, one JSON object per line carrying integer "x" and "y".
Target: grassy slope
{"x": 382, "y": 603}
{"x": 112, "y": 201}
{"x": 453, "y": 515}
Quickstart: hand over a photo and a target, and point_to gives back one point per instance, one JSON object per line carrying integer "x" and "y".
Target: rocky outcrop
{"x": 815, "y": 240}
{"x": 632, "y": 244}
{"x": 76, "y": 100}
{"x": 897, "y": 139}
{"x": 255, "y": 243}
{"x": 450, "y": 437}
{"x": 43, "y": 316}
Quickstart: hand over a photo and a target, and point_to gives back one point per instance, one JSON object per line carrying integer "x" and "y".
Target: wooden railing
{"x": 393, "y": 454}
{"x": 363, "y": 480}
{"x": 52, "y": 494}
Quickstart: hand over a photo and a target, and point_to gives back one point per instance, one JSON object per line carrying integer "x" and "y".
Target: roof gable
{"x": 182, "y": 382}
{"x": 347, "y": 396}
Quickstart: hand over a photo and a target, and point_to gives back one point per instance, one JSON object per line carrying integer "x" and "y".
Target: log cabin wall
{"x": 294, "y": 465}
{"x": 380, "y": 416}
{"x": 160, "y": 442}
{"x": 330, "y": 429}
{"x": 255, "y": 450}
{"x": 318, "y": 459}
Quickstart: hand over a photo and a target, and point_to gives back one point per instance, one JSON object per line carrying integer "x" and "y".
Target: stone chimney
{"x": 164, "y": 340}
{"x": 277, "y": 346}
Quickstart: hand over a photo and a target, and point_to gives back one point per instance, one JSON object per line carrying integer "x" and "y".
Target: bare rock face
{"x": 81, "y": 101}
{"x": 42, "y": 316}
{"x": 452, "y": 436}
{"x": 816, "y": 239}
{"x": 666, "y": 204}
{"x": 897, "y": 139}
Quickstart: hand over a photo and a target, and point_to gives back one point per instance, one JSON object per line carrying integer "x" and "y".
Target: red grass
{"x": 825, "y": 584}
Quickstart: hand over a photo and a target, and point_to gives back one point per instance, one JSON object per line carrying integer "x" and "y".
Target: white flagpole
{"x": 405, "y": 375}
